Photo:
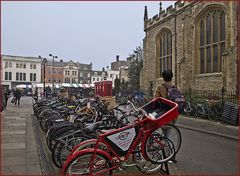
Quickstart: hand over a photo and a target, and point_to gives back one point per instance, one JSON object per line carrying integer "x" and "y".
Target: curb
{"x": 45, "y": 163}
{"x": 209, "y": 132}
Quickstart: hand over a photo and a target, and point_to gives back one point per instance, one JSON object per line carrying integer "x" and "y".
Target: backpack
{"x": 175, "y": 95}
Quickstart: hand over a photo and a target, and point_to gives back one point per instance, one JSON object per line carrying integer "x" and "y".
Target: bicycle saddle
{"x": 91, "y": 128}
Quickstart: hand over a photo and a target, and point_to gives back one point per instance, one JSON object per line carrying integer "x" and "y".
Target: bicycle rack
{"x": 166, "y": 170}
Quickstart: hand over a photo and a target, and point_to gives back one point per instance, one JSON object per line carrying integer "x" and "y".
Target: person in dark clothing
{"x": 48, "y": 91}
{"x": 36, "y": 94}
{"x": 7, "y": 94}
{"x": 17, "y": 96}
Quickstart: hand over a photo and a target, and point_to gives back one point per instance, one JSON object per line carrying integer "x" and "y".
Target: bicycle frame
{"x": 122, "y": 142}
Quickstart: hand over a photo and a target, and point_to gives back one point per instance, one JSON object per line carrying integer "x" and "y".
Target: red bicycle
{"x": 139, "y": 140}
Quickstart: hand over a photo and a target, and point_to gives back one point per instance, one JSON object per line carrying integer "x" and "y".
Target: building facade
{"x": 70, "y": 71}
{"x": 84, "y": 73}
{"x": 197, "y": 41}
{"x": 98, "y": 76}
{"x": 112, "y": 75}
{"x": 19, "y": 70}
{"x": 118, "y": 64}
{"x": 53, "y": 72}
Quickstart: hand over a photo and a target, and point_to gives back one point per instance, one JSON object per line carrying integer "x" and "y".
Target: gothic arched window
{"x": 212, "y": 41}
{"x": 164, "y": 51}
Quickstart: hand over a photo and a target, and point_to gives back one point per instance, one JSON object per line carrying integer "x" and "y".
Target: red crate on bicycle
{"x": 161, "y": 110}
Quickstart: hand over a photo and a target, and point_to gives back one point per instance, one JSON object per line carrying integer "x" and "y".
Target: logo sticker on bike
{"x": 123, "y": 135}
{"x": 123, "y": 139}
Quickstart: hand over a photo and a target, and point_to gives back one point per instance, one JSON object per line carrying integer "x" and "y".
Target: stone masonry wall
{"x": 187, "y": 63}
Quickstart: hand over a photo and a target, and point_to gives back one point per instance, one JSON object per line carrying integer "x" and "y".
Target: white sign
{"x": 123, "y": 139}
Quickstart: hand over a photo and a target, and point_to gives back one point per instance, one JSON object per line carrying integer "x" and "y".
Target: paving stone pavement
{"x": 19, "y": 153}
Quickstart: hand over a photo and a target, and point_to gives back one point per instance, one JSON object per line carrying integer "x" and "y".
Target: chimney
{"x": 117, "y": 58}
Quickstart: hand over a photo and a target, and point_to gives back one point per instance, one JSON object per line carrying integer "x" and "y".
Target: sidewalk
{"x": 207, "y": 126}
{"x": 19, "y": 153}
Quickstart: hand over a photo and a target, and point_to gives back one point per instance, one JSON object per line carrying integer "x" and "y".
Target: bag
{"x": 175, "y": 95}
{"x": 13, "y": 100}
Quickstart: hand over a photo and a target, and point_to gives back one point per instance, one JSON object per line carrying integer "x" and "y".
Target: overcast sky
{"x": 82, "y": 31}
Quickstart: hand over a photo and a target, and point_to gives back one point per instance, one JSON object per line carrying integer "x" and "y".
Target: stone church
{"x": 197, "y": 40}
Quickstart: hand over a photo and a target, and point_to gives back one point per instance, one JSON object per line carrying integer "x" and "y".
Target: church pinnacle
{"x": 145, "y": 14}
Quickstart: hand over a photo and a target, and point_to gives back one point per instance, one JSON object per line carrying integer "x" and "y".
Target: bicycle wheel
{"x": 159, "y": 149}
{"x": 145, "y": 167}
{"x": 81, "y": 162}
{"x": 190, "y": 110}
{"x": 213, "y": 113}
{"x": 200, "y": 112}
{"x": 173, "y": 133}
{"x": 62, "y": 148}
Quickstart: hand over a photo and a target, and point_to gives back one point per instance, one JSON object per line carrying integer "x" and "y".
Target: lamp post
{"x": 53, "y": 69}
{"x": 44, "y": 74}
{"x": 44, "y": 62}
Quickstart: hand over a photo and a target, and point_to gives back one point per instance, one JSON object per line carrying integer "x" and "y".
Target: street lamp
{"x": 53, "y": 69}
{"x": 44, "y": 61}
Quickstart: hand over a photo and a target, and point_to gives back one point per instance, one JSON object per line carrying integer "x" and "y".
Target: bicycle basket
{"x": 161, "y": 110}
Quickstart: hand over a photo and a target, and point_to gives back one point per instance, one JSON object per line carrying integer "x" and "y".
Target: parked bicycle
{"x": 141, "y": 140}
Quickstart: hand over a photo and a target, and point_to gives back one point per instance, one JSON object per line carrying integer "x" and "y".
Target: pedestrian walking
{"x": 48, "y": 91}
{"x": 17, "y": 96}
{"x": 7, "y": 94}
{"x": 170, "y": 91}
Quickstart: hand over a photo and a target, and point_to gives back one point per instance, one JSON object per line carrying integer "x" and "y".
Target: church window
{"x": 164, "y": 53}
{"x": 211, "y": 41}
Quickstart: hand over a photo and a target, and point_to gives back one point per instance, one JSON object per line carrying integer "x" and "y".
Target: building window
{"x": 17, "y": 76}
{"x": 34, "y": 66}
{"x": 21, "y": 76}
{"x": 24, "y": 65}
{"x": 21, "y": 65}
{"x": 164, "y": 51}
{"x": 68, "y": 73}
{"x": 6, "y": 64}
{"x": 8, "y": 76}
{"x": 17, "y": 65}
{"x": 10, "y": 64}
{"x": 67, "y": 80}
{"x": 31, "y": 66}
{"x": 33, "y": 77}
{"x": 74, "y": 80}
{"x": 97, "y": 79}
{"x": 93, "y": 79}
{"x": 24, "y": 76}
{"x": 211, "y": 29}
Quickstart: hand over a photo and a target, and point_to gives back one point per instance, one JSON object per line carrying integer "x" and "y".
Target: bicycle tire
{"x": 57, "y": 155}
{"x": 81, "y": 158}
{"x": 159, "y": 146}
{"x": 145, "y": 167}
{"x": 173, "y": 133}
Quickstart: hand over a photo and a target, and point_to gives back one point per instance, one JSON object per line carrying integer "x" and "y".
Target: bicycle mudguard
{"x": 82, "y": 144}
{"x": 90, "y": 150}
